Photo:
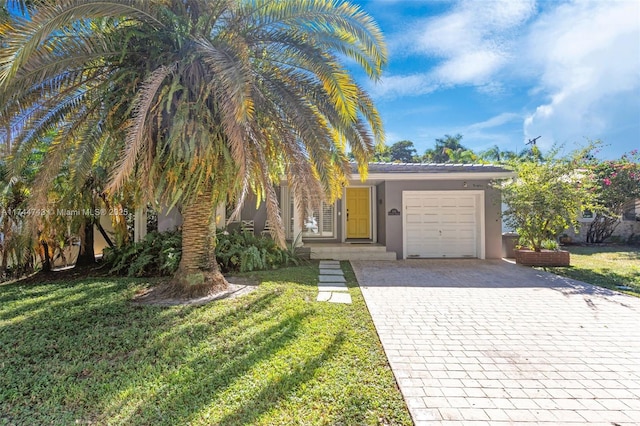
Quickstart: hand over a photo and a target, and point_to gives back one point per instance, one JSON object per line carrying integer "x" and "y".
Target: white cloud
{"x": 406, "y": 85}
{"x": 496, "y": 121}
{"x": 577, "y": 61}
{"x": 494, "y": 131}
{"x": 475, "y": 67}
{"x": 473, "y": 42}
{"x": 471, "y": 26}
{"x": 587, "y": 55}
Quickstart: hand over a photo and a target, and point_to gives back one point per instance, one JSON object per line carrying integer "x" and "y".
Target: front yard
{"x": 612, "y": 267}
{"x": 81, "y": 352}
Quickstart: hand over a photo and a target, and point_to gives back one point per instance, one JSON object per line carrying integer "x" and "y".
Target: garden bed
{"x": 543, "y": 257}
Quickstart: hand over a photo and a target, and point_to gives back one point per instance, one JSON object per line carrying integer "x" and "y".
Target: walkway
{"x": 332, "y": 285}
{"x": 488, "y": 342}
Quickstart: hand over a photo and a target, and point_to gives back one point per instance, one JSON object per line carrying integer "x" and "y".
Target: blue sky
{"x": 500, "y": 72}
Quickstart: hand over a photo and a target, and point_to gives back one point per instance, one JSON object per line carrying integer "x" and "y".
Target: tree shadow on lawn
{"x": 83, "y": 352}
{"x": 76, "y": 358}
{"x": 603, "y": 283}
{"x": 41, "y": 338}
{"x": 282, "y": 386}
{"x": 44, "y": 297}
{"x": 194, "y": 382}
{"x": 629, "y": 252}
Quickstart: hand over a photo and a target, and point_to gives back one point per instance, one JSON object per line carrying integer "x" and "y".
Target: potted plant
{"x": 542, "y": 202}
{"x": 565, "y": 239}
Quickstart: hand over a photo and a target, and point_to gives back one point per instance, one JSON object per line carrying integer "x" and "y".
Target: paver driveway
{"x": 488, "y": 342}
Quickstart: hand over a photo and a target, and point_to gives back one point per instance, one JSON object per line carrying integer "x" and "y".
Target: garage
{"x": 443, "y": 224}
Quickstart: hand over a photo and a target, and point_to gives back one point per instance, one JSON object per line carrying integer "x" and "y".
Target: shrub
{"x": 550, "y": 245}
{"x": 617, "y": 186}
{"x": 157, "y": 255}
{"x": 243, "y": 251}
{"x": 545, "y": 198}
{"x": 21, "y": 256}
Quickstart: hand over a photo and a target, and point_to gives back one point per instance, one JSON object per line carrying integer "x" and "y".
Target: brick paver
{"x": 488, "y": 342}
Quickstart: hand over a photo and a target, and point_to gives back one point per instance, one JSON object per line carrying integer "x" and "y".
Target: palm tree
{"x": 493, "y": 154}
{"x": 17, "y": 242}
{"x": 205, "y": 100}
{"x": 445, "y": 150}
{"x": 466, "y": 156}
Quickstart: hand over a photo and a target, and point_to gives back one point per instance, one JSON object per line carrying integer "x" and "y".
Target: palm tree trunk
{"x": 6, "y": 229}
{"x": 46, "y": 261}
{"x": 87, "y": 256}
{"x": 198, "y": 273}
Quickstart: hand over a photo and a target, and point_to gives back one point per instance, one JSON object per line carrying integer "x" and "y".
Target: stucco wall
{"x": 169, "y": 220}
{"x": 389, "y": 228}
{"x": 625, "y": 230}
{"x": 493, "y": 223}
{"x": 393, "y": 199}
{"x": 99, "y": 243}
{"x": 381, "y": 207}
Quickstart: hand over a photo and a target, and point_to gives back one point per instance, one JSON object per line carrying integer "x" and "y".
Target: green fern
{"x": 157, "y": 255}
{"x": 244, "y": 252}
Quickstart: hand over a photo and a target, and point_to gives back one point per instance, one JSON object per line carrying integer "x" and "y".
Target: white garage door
{"x": 442, "y": 223}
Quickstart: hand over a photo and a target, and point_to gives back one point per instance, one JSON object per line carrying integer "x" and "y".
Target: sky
{"x": 502, "y": 72}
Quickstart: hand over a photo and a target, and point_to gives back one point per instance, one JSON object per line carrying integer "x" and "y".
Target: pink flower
{"x": 607, "y": 181}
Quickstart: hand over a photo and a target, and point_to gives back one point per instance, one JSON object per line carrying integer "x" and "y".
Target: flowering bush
{"x": 545, "y": 197}
{"x": 616, "y": 187}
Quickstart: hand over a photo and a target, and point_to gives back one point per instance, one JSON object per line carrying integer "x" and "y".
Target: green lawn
{"x": 605, "y": 266}
{"x": 80, "y": 352}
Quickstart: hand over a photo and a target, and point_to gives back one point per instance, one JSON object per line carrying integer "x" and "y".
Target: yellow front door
{"x": 358, "y": 213}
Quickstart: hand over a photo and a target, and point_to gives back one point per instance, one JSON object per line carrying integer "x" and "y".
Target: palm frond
{"x": 28, "y": 36}
{"x": 137, "y": 134}
{"x": 199, "y": 96}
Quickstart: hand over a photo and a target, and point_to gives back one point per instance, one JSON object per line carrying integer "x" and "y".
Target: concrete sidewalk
{"x": 487, "y": 342}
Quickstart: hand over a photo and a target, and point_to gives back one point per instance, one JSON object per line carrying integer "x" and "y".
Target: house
{"x": 401, "y": 211}
{"x": 627, "y": 229}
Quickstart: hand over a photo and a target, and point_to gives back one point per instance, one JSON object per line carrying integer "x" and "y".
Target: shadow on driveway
{"x": 473, "y": 340}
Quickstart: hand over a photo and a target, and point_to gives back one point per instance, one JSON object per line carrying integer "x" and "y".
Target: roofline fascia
{"x": 436, "y": 176}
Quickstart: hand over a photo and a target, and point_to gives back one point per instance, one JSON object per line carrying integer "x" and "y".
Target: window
{"x": 319, "y": 223}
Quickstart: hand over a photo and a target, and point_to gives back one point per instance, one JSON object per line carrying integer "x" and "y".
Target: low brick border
{"x": 543, "y": 258}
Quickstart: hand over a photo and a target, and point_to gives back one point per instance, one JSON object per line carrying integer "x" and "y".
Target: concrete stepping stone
{"x": 340, "y": 298}
{"x": 331, "y": 279}
{"x": 333, "y": 282}
{"x": 324, "y": 296}
{"x": 331, "y": 272}
{"x": 329, "y": 265}
{"x": 334, "y": 287}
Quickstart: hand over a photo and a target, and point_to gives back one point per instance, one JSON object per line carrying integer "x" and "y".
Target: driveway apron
{"x": 489, "y": 342}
